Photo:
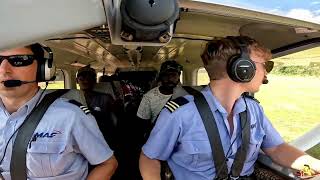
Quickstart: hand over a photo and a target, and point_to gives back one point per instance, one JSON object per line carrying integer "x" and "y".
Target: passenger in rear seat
{"x": 100, "y": 104}
{"x": 155, "y": 99}
{"x": 87, "y": 78}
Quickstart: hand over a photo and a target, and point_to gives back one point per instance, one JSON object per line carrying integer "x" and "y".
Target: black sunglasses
{"x": 268, "y": 65}
{"x": 18, "y": 60}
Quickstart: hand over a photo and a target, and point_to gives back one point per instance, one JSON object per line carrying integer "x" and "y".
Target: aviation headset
{"x": 240, "y": 67}
{"x": 46, "y": 69}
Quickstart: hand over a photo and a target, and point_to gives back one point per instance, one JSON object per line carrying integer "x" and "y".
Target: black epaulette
{"x": 174, "y": 104}
{"x": 85, "y": 109}
{"x": 250, "y": 96}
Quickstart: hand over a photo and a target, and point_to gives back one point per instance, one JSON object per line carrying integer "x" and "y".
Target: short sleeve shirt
{"x": 65, "y": 140}
{"x": 180, "y": 138}
{"x": 152, "y": 103}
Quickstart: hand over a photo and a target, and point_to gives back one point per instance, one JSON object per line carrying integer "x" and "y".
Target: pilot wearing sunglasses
{"x": 61, "y": 147}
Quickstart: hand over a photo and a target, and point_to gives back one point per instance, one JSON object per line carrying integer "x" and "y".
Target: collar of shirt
{"x": 35, "y": 99}
{"x": 162, "y": 95}
{"x": 214, "y": 103}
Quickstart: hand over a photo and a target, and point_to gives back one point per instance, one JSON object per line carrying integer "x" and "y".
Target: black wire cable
{"x": 5, "y": 149}
{"x": 226, "y": 158}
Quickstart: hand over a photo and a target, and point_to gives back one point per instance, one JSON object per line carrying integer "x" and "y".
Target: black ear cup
{"x": 46, "y": 70}
{"x": 240, "y": 67}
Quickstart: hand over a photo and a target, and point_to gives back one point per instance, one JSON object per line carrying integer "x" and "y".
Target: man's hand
{"x": 291, "y": 157}
{"x": 105, "y": 170}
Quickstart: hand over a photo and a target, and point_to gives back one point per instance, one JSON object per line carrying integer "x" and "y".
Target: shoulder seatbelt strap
{"x": 241, "y": 155}
{"x": 214, "y": 137}
{"x": 212, "y": 132}
{"x": 18, "y": 169}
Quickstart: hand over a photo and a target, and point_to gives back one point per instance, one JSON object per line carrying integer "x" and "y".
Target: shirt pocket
{"x": 255, "y": 144}
{"x": 41, "y": 158}
{"x": 198, "y": 155}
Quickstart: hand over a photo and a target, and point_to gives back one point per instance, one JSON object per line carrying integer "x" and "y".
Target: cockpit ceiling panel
{"x": 208, "y": 25}
{"x": 275, "y": 36}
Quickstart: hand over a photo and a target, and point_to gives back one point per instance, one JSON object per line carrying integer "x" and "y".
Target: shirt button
{"x": 196, "y": 149}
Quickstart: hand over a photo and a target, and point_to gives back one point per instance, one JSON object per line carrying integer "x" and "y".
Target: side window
{"x": 291, "y": 98}
{"x": 202, "y": 77}
{"x": 181, "y": 77}
{"x": 58, "y": 83}
{"x": 315, "y": 151}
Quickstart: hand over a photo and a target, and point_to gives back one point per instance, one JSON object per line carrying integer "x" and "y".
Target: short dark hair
{"x": 170, "y": 65}
{"x": 87, "y": 70}
{"x": 37, "y": 50}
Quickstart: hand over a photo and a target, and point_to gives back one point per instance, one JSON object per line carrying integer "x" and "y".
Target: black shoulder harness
{"x": 250, "y": 96}
{"x": 85, "y": 109}
{"x": 174, "y": 104}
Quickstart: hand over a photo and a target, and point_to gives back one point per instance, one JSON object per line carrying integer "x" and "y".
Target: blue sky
{"x": 301, "y": 9}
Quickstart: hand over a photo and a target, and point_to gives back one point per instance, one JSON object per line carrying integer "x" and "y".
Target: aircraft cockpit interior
{"x": 126, "y": 41}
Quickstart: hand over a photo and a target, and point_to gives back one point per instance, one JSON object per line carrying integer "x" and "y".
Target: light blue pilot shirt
{"x": 180, "y": 138}
{"x": 66, "y": 140}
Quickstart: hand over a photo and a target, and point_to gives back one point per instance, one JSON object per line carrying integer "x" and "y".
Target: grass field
{"x": 53, "y": 85}
{"x": 291, "y": 103}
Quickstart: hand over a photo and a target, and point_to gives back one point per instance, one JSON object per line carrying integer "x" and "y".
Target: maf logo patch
{"x": 46, "y": 134}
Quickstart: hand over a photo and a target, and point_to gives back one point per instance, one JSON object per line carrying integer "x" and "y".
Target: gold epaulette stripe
{"x": 174, "y": 103}
{"x": 170, "y": 108}
{"x": 85, "y": 109}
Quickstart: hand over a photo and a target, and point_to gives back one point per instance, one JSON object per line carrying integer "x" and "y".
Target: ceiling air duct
{"x": 141, "y": 22}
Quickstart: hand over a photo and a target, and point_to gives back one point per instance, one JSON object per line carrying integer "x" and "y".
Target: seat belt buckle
{"x": 234, "y": 177}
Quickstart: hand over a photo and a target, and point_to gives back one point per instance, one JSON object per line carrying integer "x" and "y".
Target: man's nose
{"x": 5, "y": 65}
{"x": 173, "y": 78}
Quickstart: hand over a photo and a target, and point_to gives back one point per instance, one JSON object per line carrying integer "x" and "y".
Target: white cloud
{"x": 316, "y": 11}
{"x": 304, "y": 14}
{"x": 315, "y": 2}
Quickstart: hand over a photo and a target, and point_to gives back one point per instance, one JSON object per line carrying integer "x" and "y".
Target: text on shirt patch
{"x": 43, "y": 135}
{"x": 46, "y": 134}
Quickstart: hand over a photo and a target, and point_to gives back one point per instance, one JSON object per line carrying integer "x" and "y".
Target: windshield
{"x": 308, "y": 10}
